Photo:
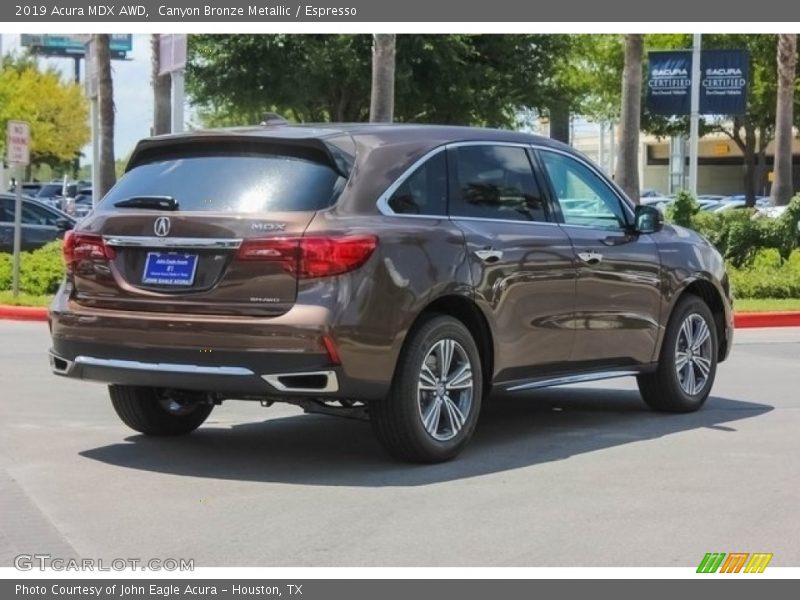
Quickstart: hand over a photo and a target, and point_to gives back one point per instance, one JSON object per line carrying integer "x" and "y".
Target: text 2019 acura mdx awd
{"x": 397, "y": 272}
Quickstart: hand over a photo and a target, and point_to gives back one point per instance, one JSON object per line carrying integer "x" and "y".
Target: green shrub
{"x": 682, "y": 209}
{"x": 767, "y": 276}
{"x": 41, "y": 271}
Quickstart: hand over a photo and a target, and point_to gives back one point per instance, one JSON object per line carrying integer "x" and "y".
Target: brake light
{"x": 312, "y": 257}
{"x": 82, "y": 246}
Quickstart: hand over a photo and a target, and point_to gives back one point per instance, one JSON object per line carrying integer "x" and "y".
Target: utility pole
{"x": 694, "y": 126}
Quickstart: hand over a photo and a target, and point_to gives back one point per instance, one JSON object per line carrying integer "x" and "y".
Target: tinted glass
{"x": 31, "y": 214}
{"x": 234, "y": 183}
{"x": 50, "y": 190}
{"x": 425, "y": 191}
{"x": 495, "y": 182}
{"x": 584, "y": 198}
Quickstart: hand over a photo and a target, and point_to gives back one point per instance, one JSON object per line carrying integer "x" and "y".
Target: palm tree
{"x": 627, "y": 175}
{"x": 381, "y": 106}
{"x": 782, "y": 188}
{"x": 105, "y": 98}
{"x": 162, "y": 100}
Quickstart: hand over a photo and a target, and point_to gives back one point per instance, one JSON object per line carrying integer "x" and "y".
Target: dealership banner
{"x": 669, "y": 82}
{"x": 724, "y": 76}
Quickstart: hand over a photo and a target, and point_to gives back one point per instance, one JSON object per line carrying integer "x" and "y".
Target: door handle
{"x": 590, "y": 258}
{"x": 488, "y": 255}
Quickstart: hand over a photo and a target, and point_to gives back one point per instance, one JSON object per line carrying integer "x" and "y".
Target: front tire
{"x": 688, "y": 361}
{"x": 432, "y": 409}
{"x": 153, "y": 411}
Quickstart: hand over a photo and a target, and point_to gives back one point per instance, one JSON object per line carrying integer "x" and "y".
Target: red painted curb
{"x": 23, "y": 313}
{"x": 741, "y": 320}
{"x": 767, "y": 319}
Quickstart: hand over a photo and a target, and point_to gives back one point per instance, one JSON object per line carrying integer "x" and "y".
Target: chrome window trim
{"x": 383, "y": 199}
{"x": 136, "y": 241}
{"x": 624, "y": 201}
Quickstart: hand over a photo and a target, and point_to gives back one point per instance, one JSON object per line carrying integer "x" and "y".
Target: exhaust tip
{"x": 312, "y": 382}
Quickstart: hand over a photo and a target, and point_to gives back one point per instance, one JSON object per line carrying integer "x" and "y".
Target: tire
{"x": 153, "y": 411}
{"x": 684, "y": 389}
{"x": 398, "y": 419}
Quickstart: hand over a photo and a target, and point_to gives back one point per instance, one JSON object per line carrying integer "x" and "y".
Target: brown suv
{"x": 399, "y": 272}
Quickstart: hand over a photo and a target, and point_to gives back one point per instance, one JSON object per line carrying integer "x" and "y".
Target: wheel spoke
{"x": 686, "y": 331}
{"x": 454, "y": 415}
{"x": 461, "y": 379}
{"x": 703, "y": 364}
{"x": 702, "y": 335}
{"x": 446, "y": 348}
{"x": 432, "y": 417}
{"x": 691, "y": 381}
{"x": 681, "y": 358}
{"x": 427, "y": 380}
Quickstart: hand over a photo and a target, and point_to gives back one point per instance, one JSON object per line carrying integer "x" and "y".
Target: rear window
{"x": 232, "y": 183}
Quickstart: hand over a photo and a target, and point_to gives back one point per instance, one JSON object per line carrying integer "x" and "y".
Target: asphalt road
{"x": 580, "y": 476}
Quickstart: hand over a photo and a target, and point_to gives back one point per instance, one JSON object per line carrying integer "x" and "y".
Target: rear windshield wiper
{"x": 154, "y": 202}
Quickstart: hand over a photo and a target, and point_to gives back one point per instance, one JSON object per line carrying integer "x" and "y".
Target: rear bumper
{"x": 271, "y": 358}
{"x": 227, "y": 380}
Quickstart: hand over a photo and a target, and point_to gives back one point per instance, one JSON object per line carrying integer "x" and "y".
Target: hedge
{"x": 40, "y": 273}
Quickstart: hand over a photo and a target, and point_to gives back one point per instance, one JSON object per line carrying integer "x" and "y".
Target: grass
{"x": 24, "y": 299}
{"x": 765, "y": 304}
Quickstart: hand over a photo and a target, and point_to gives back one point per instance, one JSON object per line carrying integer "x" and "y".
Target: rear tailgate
{"x": 229, "y": 246}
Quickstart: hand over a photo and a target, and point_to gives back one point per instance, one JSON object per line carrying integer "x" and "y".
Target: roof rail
{"x": 271, "y": 118}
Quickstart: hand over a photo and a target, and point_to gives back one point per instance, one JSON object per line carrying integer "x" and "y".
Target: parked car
{"x": 29, "y": 188}
{"x": 56, "y": 193}
{"x": 40, "y": 223}
{"x": 81, "y": 204}
{"x": 397, "y": 273}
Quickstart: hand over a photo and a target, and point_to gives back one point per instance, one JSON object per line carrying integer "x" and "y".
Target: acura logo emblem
{"x": 161, "y": 226}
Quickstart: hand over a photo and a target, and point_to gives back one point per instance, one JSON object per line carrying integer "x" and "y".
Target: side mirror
{"x": 648, "y": 219}
{"x": 64, "y": 224}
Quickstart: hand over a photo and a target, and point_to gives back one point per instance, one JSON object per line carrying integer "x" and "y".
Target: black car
{"x": 40, "y": 223}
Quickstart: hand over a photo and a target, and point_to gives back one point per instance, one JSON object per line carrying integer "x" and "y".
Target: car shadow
{"x": 513, "y": 432}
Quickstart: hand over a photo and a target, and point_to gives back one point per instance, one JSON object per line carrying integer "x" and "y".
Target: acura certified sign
{"x": 724, "y": 76}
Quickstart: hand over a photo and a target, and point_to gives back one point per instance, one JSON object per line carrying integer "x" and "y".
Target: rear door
{"x": 618, "y": 294}
{"x": 210, "y": 229}
{"x": 521, "y": 262}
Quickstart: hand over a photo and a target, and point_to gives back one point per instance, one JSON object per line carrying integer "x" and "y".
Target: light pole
{"x": 694, "y": 125}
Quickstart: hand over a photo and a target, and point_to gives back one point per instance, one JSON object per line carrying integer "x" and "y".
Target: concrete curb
{"x": 740, "y": 320}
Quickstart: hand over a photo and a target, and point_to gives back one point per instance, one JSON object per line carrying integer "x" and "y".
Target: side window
{"x": 424, "y": 192}
{"x": 36, "y": 215}
{"x": 495, "y": 182}
{"x": 584, "y": 198}
{"x": 6, "y": 210}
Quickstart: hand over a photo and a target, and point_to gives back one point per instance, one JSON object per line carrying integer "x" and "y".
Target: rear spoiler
{"x": 314, "y": 149}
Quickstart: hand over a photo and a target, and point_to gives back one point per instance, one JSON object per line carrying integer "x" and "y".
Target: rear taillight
{"x": 82, "y": 246}
{"x": 311, "y": 257}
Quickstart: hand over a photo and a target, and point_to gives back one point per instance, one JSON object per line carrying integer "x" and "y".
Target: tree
{"x": 381, "y": 107}
{"x": 463, "y": 79}
{"x": 162, "y": 99}
{"x": 105, "y": 97}
{"x": 782, "y": 189}
{"x": 56, "y": 110}
{"x": 627, "y": 175}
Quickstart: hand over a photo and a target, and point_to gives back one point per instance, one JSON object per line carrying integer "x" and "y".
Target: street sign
{"x": 171, "y": 53}
{"x": 74, "y": 45}
{"x": 18, "y": 142}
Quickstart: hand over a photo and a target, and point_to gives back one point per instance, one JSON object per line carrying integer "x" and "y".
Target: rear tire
{"x": 153, "y": 411}
{"x": 687, "y": 364}
{"x": 432, "y": 408}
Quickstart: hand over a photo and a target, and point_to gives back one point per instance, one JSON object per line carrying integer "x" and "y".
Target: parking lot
{"x": 580, "y": 476}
